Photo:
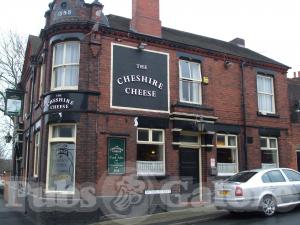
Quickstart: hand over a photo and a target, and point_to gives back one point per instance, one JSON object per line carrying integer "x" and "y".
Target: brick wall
{"x": 222, "y": 95}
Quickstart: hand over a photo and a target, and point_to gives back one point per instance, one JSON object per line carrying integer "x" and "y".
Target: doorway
{"x": 298, "y": 160}
{"x": 190, "y": 174}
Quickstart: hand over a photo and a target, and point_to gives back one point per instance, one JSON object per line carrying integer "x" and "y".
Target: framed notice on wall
{"x": 116, "y": 155}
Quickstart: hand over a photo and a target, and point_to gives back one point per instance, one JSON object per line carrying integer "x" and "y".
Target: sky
{"x": 269, "y": 27}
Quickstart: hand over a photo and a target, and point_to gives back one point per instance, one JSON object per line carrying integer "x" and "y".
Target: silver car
{"x": 265, "y": 190}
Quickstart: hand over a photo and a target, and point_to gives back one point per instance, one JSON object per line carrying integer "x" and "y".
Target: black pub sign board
{"x": 64, "y": 101}
{"x": 140, "y": 79}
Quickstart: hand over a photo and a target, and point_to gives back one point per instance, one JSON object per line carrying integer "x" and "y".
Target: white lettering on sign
{"x": 142, "y": 67}
{"x": 140, "y": 92}
{"x": 60, "y": 103}
{"x": 153, "y": 192}
{"x": 139, "y": 78}
{"x": 138, "y": 81}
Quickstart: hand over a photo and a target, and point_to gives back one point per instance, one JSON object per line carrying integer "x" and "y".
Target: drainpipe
{"x": 33, "y": 66}
{"x": 242, "y": 65}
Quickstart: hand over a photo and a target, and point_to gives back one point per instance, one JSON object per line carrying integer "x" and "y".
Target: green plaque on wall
{"x": 116, "y": 155}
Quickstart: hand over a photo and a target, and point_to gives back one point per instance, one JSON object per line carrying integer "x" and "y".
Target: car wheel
{"x": 268, "y": 205}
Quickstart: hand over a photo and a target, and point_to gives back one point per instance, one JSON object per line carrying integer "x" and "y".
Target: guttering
{"x": 244, "y": 108}
{"x": 28, "y": 146}
{"x": 192, "y": 116}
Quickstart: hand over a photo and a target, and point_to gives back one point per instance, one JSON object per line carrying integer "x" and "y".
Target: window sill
{"x": 59, "y": 193}
{"x": 192, "y": 105}
{"x": 272, "y": 115}
{"x": 152, "y": 177}
{"x": 71, "y": 91}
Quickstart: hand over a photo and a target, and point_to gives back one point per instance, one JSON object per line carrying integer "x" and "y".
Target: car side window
{"x": 273, "y": 177}
{"x": 265, "y": 178}
{"x": 292, "y": 175}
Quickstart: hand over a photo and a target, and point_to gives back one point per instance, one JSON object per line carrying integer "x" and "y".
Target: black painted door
{"x": 189, "y": 173}
{"x": 298, "y": 160}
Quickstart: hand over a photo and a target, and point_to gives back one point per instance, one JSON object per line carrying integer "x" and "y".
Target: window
{"x": 273, "y": 177}
{"x": 190, "y": 82}
{"x": 190, "y": 139}
{"x": 242, "y": 177}
{"x": 227, "y": 151}
{"x": 150, "y": 152}
{"x": 42, "y": 76}
{"x": 292, "y": 175}
{"x": 61, "y": 158}
{"x": 36, "y": 161}
{"x": 269, "y": 152}
{"x": 65, "y": 72}
{"x": 25, "y": 160}
{"x": 265, "y": 94}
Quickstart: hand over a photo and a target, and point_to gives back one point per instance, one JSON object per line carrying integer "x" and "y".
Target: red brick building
{"x": 107, "y": 97}
{"x": 294, "y": 97}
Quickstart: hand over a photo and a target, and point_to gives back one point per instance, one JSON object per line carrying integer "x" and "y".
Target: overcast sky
{"x": 270, "y": 27}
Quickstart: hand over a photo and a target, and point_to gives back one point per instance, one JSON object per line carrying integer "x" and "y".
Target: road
{"x": 290, "y": 218}
{"x": 12, "y": 217}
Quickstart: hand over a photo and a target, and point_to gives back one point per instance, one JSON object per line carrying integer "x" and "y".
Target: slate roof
{"x": 35, "y": 43}
{"x": 121, "y": 23}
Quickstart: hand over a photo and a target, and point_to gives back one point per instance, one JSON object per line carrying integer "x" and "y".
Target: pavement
{"x": 12, "y": 216}
{"x": 177, "y": 217}
{"x": 191, "y": 215}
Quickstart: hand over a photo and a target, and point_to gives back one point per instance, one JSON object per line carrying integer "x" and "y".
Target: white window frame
{"x": 151, "y": 142}
{"x": 63, "y": 87}
{"x": 265, "y": 93}
{"x": 227, "y": 146}
{"x": 191, "y": 80}
{"x": 25, "y": 170}
{"x": 268, "y": 148}
{"x": 59, "y": 139}
{"x": 36, "y": 161}
{"x": 184, "y": 144}
{"x": 42, "y": 77}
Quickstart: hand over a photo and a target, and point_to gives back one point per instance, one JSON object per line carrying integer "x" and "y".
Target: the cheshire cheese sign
{"x": 56, "y": 102}
{"x": 140, "y": 79}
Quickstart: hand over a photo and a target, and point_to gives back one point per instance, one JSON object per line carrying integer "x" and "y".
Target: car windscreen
{"x": 241, "y": 177}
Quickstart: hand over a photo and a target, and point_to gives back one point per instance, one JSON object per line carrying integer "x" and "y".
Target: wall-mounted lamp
{"x": 227, "y": 63}
{"x": 201, "y": 126}
{"x": 8, "y": 137}
{"x": 297, "y": 106}
{"x": 142, "y": 46}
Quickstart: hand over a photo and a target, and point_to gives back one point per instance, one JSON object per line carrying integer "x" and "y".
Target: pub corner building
{"x": 110, "y": 99}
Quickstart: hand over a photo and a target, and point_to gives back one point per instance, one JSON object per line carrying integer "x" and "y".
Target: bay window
{"x": 36, "y": 160}
{"x": 150, "y": 152}
{"x": 227, "y": 151}
{"x": 61, "y": 158}
{"x": 265, "y": 94}
{"x": 65, "y": 74}
{"x": 269, "y": 152}
{"x": 190, "y": 82}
